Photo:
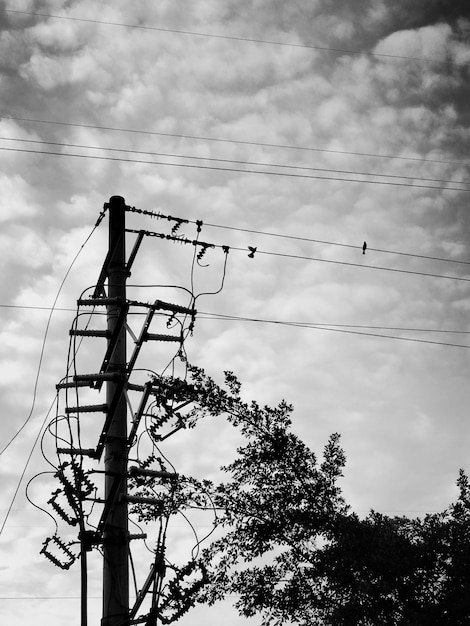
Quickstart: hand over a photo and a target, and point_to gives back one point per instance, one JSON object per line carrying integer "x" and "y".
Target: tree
{"x": 293, "y": 552}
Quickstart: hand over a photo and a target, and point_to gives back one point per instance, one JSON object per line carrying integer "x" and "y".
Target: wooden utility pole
{"x": 115, "y": 532}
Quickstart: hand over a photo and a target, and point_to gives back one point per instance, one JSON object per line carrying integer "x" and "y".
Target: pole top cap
{"x": 117, "y": 201}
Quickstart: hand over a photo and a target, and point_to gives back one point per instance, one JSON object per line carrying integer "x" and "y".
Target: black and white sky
{"x": 324, "y": 123}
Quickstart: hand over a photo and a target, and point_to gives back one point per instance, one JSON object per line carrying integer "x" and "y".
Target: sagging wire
{"x": 141, "y": 531}
{"x": 43, "y": 346}
{"x": 28, "y": 460}
{"x": 56, "y": 436}
{"x": 55, "y": 401}
{"x": 36, "y": 505}
{"x": 193, "y": 531}
{"x": 226, "y": 250}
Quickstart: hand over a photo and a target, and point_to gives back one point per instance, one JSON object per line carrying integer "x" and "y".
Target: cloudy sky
{"x": 301, "y": 128}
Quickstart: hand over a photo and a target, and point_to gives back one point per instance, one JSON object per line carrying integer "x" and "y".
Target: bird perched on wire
{"x": 364, "y": 247}
{"x": 252, "y": 252}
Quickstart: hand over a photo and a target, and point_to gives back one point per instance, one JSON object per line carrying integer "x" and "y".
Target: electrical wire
{"x": 224, "y": 273}
{"x": 330, "y": 243}
{"x": 43, "y": 346}
{"x": 341, "y": 330}
{"x": 237, "y": 161}
{"x": 223, "y": 316}
{"x": 212, "y": 315}
{"x": 365, "y": 266}
{"x": 234, "y": 141}
{"x": 38, "y": 436}
{"x": 36, "y": 505}
{"x": 26, "y": 465}
{"x": 237, "y": 38}
{"x": 231, "y": 169}
{"x": 305, "y": 258}
{"x": 34, "y": 308}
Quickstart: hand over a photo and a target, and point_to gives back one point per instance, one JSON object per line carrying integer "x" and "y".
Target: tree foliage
{"x": 293, "y": 552}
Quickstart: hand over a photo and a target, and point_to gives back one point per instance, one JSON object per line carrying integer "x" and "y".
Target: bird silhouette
{"x": 364, "y": 247}
{"x": 252, "y": 252}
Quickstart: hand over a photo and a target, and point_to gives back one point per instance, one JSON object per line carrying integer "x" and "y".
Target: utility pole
{"x": 115, "y": 532}
{"x": 111, "y": 532}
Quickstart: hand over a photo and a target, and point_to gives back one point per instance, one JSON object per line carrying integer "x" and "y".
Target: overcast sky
{"x": 337, "y": 123}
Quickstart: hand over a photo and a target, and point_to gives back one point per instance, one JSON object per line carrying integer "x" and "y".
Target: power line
{"x": 253, "y": 251}
{"x": 235, "y": 141}
{"x": 237, "y": 38}
{"x": 373, "y": 267}
{"x": 331, "y": 243}
{"x": 223, "y": 316}
{"x": 8, "y": 444}
{"x": 236, "y": 161}
{"x": 47, "y": 597}
{"x": 37, "y": 308}
{"x": 281, "y": 322}
{"x": 233, "y": 169}
{"x": 325, "y": 328}
{"x": 43, "y": 346}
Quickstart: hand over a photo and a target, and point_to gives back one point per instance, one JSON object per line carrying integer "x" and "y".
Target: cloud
{"x": 401, "y": 406}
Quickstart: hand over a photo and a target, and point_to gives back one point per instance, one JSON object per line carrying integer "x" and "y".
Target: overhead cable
{"x": 237, "y": 38}
{"x": 184, "y": 240}
{"x": 41, "y": 356}
{"x": 234, "y": 141}
{"x": 235, "y": 161}
{"x": 331, "y": 243}
{"x": 330, "y": 329}
{"x": 210, "y": 315}
{"x": 233, "y": 169}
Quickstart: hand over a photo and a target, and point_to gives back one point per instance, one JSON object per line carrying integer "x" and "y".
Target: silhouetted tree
{"x": 294, "y": 553}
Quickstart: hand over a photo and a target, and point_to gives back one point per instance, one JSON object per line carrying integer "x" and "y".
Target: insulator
{"x": 86, "y": 486}
{"x": 137, "y": 536}
{"x": 157, "y": 337}
{"x": 177, "y": 225}
{"x": 183, "y": 597}
{"x": 87, "y": 408}
{"x": 106, "y": 376}
{"x": 91, "y": 452}
{"x": 100, "y": 302}
{"x": 89, "y": 333}
{"x": 73, "y": 385}
{"x": 175, "y": 308}
{"x": 202, "y": 252}
{"x": 148, "y": 461}
{"x": 68, "y": 487}
{"x": 63, "y": 547}
{"x": 141, "y": 500}
{"x": 137, "y": 471}
{"x": 60, "y": 511}
{"x": 82, "y": 485}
